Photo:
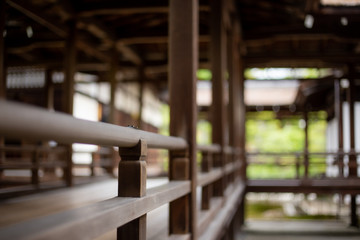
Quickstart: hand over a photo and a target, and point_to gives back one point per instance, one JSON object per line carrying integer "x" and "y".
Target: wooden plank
{"x": 28, "y": 122}
{"x": 95, "y": 219}
{"x": 183, "y": 64}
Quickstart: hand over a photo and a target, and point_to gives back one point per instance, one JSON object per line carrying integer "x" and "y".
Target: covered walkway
{"x": 298, "y": 230}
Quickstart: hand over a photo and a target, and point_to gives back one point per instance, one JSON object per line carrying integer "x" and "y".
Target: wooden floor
{"x": 298, "y": 230}
{"x": 41, "y": 204}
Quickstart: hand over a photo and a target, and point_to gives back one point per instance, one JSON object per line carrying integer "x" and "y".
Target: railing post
{"x": 206, "y": 192}
{"x": 297, "y": 164}
{"x": 183, "y": 65}
{"x": 132, "y": 183}
{"x": 180, "y": 208}
{"x": 35, "y": 168}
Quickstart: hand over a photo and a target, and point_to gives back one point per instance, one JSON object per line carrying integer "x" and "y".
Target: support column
{"x": 352, "y": 157}
{"x": 183, "y": 64}
{"x": 306, "y": 144}
{"x": 68, "y": 96}
{"x": 2, "y": 69}
{"x": 113, "y": 86}
{"x": 141, "y": 95}
{"x": 339, "y": 116}
{"x": 2, "y": 50}
{"x": 49, "y": 88}
{"x": 218, "y": 69}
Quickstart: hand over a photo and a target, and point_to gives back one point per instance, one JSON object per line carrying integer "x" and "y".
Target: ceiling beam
{"x": 34, "y": 14}
{"x": 95, "y": 11}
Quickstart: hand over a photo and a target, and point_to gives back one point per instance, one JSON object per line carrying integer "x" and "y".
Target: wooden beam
{"x": 183, "y": 64}
{"x": 94, "y": 11}
{"x": 36, "y": 15}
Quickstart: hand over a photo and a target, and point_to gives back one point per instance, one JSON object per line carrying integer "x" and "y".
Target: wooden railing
{"x": 33, "y": 158}
{"x": 221, "y": 186}
{"x": 304, "y": 165}
{"x": 319, "y": 172}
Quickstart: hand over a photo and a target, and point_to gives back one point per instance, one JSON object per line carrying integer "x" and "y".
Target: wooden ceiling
{"x": 273, "y": 34}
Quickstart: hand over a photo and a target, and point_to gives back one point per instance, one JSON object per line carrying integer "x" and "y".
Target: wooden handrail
{"x": 213, "y": 148}
{"x": 28, "y": 122}
{"x": 350, "y": 152}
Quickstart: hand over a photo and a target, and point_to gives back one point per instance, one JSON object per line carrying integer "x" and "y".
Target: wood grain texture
{"x": 95, "y": 219}
{"x": 27, "y": 122}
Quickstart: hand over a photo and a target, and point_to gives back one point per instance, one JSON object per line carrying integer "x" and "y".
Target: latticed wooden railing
{"x": 219, "y": 179}
{"x": 303, "y": 172}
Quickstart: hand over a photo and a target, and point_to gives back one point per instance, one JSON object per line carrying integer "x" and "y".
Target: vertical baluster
{"x": 206, "y": 192}
{"x": 132, "y": 183}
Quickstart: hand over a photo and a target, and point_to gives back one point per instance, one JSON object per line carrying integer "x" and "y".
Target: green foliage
{"x": 203, "y": 132}
{"x": 273, "y": 135}
{"x": 204, "y": 74}
{"x": 258, "y": 209}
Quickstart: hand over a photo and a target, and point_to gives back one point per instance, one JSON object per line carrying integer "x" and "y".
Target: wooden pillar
{"x": 352, "y": 157}
{"x": 183, "y": 64}
{"x": 68, "y": 96}
{"x": 70, "y": 67}
{"x": 242, "y": 137}
{"x": 141, "y": 95}
{"x": 132, "y": 183}
{"x": 2, "y": 50}
{"x": 2, "y": 69}
{"x": 339, "y": 116}
{"x": 35, "y": 168}
{"x": 206, "y": 191}
{"x": 306, "y": 144}
{"x": 113, "y": 86}
{"x": 49, "y": 88}
{"x": 218, "y": 69}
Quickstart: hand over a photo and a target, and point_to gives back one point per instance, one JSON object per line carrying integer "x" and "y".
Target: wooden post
{"x": 35, "y": 168}
{"x": 68, "y": 96}
{"x": 339, "y": 116}
{"x": 49, "y": 88}
{"x": 306, "y": 144}
{"x": 206, "y": 191}
{"x": 218, "y": 68}
{"x": 183, "y": 64}
{"x": 141, "y": 96}
{"x": 132, "y": 183}
{"x": 352, "y": 157}
{"x": 113, "y": 86}
{"x": 2, "y": 50}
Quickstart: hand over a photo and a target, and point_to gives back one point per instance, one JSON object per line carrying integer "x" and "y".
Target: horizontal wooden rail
{"x": 212, "y": 148}
{"x": 290, "y": 154}
{"x": 45, "y": 149}
{"x": 96, "y": 219}
{"x": 28, "y": 122}
{"x": 209, "y": 177}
